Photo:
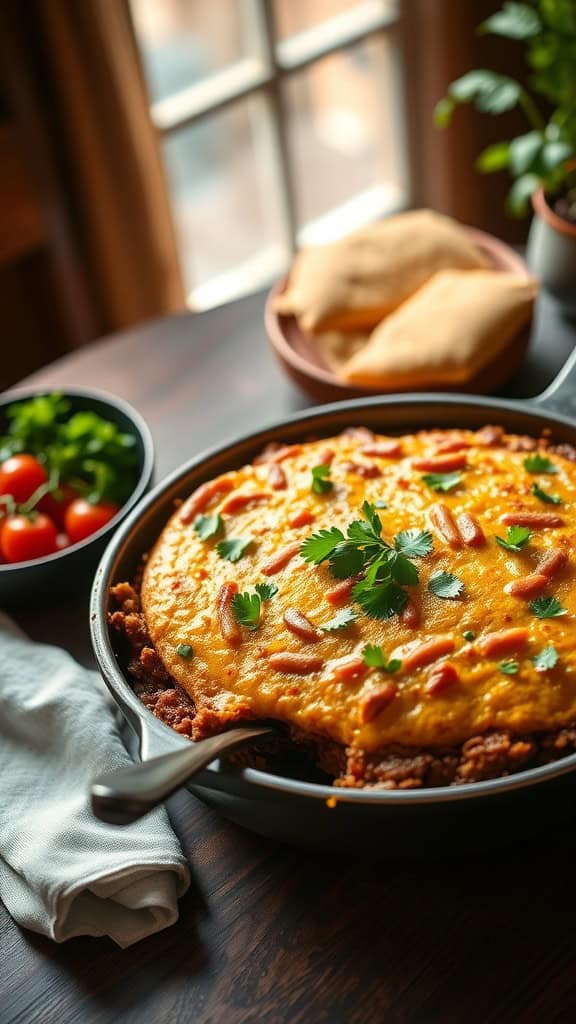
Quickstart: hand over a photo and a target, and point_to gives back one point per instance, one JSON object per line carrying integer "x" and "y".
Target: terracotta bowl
{"x": 299, "y": 356}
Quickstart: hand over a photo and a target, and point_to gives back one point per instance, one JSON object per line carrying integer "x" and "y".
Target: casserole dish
{"x": 300, "y": 810}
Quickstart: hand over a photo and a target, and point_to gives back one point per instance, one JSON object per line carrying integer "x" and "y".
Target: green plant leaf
{"x": 519, "y": 196}
{"x": 319, "y": 546}
{"x": 442, "y": 482}
{"x": 516, "y": 538}
{"x": 184, "y": 651}
{"x": 547, "y": 607}
{"x": 247, "y": 608}
{"x": 321, "y": 483}
{"x": 509, "y": 667}
{"x": 515, "y": 21}
{"x": 374, "y": 657}
{"x": 469, "y": 635}
{"x": 547, "y": 658}
{"x": 208, "y": 526}
{"x": 346, "y": 560}
{"x": 266, "y": 590}
{"x": 494, "y": 158}
{"x": 524, "y": 153}
{"x": 539, "y": 464}
{"x": 233, "y": 548}
{"x": 445, "y": 585}
{"x": 380, "y": 600}
{"x": 413, "y": 543}
{"x": 548, "y": 499}
{"x": 345, "y": 617}
{"x": 402, "y": 569}
{"x": 443, "y": 111}
{"x": 555, "y": 154}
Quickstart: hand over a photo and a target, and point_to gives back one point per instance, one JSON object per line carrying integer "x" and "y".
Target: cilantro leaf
{"x": 445, "y": 585}
{"x": 547, "y": 607}
{"x": 380, "y": 600}
{"x": 413, "y": 543}
{"x": 266, "y": 590}
{"x": 372, "y": 517}
{"x": 345, "y": 617}
{"x": 321, "y": 483}
{"x": 346, "y": 560}
{"x": 402, "y": 569}
{"x": 380, "y": 503}
{"x": 469, "y": 635}
{"x": 233, "y": 548}
{"x": 509, "y": 667}
{"x": 442, "y": 481}
{"x": 319, "y": 546}
{"x": 208, "y": 526}
{"x": 247, "y": 608}
{"x": 184, "y": 651}
{"x": 550, "y": 499}
{"x": 373, "y": 656}
{"x": 516, "y": 538}
{"x": 539, "y": 464}
{"x": 547, "y": 658}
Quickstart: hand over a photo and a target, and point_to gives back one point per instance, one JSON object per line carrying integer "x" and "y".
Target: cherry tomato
{"x": 23, "y": 538}
{"x": 20, "y": 476}
{"x": 55, "y": 508}
{"x": 81, "y": 518}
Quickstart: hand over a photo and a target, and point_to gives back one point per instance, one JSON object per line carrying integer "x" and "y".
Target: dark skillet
{"x": 297, "y": 810}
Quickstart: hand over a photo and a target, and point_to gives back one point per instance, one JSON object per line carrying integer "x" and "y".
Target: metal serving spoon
{"x": 124, "y": 795}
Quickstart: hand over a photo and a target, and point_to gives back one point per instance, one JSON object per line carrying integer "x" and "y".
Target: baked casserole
{"x": 403, "y": 605}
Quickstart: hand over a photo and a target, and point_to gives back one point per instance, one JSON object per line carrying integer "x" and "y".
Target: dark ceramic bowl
{"x": 45, "y": 580}
{"x": 303, "y": 810}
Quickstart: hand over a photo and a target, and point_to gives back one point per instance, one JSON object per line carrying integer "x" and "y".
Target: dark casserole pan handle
{"x": 560, "y": 395}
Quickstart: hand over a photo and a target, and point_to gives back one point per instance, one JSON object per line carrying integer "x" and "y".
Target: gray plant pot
{"x": 551, "y": 253}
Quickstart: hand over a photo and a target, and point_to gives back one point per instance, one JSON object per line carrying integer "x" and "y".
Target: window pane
{"x": 293, "y": 16}
{"x": 225, "y": 194}
{"x": 343, "y": 128}
{"x": 183, "y": 41}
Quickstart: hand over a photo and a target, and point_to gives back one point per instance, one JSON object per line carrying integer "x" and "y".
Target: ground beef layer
{"x": 483, "y": 757}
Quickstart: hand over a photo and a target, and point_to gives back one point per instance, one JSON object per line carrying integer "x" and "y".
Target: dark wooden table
{"x": 269, "y": 935}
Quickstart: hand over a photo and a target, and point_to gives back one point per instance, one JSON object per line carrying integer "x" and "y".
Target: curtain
{"x": 86, "y": 95}
{"x": 440, "y": 44}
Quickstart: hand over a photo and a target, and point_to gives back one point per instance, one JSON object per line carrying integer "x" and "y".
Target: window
{"x": 280, "y": 123}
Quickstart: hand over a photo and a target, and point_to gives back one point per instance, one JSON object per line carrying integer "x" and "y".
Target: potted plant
{"x": 542, "y": 161}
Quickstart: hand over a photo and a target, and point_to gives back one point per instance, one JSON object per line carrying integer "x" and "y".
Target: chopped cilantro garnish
{"x": 445, "y": 585}
{"x": 547, "y": 658}
{"x": 413, "y": 543}
{"x": 374, "y": 657}
{"x": 509, "y": 667}
{"x": 469, "y": 635}
{"x": 319, "y": 546}
{"x": 345, "y": 617}
{"x": 233, "y": 548}
{"x": 247, "y": 607}
{"x": 516, "y": 538}
{"x": 442, "y": 481}
{"x": 547, "y": 607}
{"x": 266, "y": 590}
{"x": 549, "y": 499}
{"x": 539, "y": 464}
{"x": 380, "y": 600}
{"x": 184, "y": 651}
{"x": 208, "y": 526}
{"x": 321, "y": 483}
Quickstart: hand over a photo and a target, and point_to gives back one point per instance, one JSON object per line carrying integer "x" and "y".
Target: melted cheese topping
{"x": 184, "y": 576}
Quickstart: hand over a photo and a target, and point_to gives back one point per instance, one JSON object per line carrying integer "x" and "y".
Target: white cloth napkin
{"x": 62, "y": 872}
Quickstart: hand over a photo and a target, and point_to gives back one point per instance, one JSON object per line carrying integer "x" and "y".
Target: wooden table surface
{"x": 269, "y": 935}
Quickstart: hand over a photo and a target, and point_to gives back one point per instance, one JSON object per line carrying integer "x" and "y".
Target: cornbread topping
{"x": 376, "y": 592}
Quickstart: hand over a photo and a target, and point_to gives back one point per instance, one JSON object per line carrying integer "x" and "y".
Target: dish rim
{"x": 152, "y": 731}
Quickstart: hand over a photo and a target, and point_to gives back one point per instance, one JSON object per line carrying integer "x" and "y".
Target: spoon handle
{"x": 124, "y": 795}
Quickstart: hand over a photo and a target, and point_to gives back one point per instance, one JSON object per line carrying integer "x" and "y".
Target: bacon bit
{"x": 376, "y": 701}
{"x": 384, "y": 449}
{"x": 298, "y": 623}
{"x": 277, "y": 477}
{"x": 535, "y": 520}
{"x": 303, "y": 518}
{"x": 348, "y": 668}
{"x": 286, "y": 452}
{"x": 175, "y": 585}
{"x": 527, "y": 586}
{"x": 237, "y": 502}
{"x": 403, "y": 483}
{"x": 454, "y": 445}
{"x": 491, "y": 437}
{"x": 444, "y": 523}
{"x": 470, "y": 530}
{"x": 341, "y": 592}
{"x": 326, "y": 456}
{"x": 229, "y": 627}
{"x": 410, "y": 614}
{"x": 442, "y": 677}
{"x": 296, "y": 664}
{"x": 202, "y": 496}
{"x": 553, "y": 561}
{"x": 424, "y": 653}
{"x": 364, "y": 469}
{"x": 503, "y": 642}
{"x": 278, "y": 561}
{"x": 440, "y": 463}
